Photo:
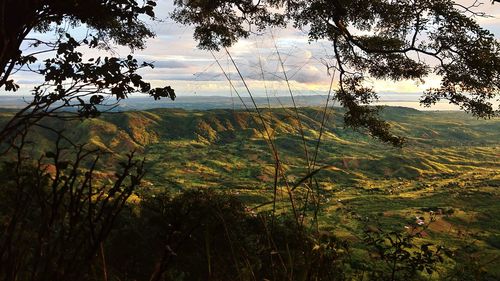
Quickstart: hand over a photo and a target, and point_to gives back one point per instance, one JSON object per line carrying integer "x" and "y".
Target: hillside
{"x": 450, "y": 165}
{"x": 231, "y": 143}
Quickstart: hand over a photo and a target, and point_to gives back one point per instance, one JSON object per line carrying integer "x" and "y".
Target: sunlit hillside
{"x": 450, "y": 165}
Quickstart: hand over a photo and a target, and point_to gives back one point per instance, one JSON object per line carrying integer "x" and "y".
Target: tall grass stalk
{"x": 265, "y": 132}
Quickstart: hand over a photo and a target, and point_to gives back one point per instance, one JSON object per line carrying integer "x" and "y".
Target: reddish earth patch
{"x": 441, "y": 226}
{"x": 389, "y": 214}
{"x": 417, "y": 231}
{"x": 424, "y": 234}
{"x": 49, "y": 168}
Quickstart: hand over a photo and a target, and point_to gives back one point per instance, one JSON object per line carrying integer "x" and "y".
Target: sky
{"x": 190, "y": 71}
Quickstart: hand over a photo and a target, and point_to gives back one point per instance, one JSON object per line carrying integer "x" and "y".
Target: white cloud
{"x": 182, "y": 65}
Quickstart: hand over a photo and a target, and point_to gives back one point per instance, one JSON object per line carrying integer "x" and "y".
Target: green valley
{"x": 449, "y": 167}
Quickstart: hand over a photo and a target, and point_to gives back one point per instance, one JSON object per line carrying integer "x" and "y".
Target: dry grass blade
{"x": 264, "y": 131}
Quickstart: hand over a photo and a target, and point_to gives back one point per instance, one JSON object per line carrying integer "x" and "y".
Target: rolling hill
{"x": 450, "y": 164}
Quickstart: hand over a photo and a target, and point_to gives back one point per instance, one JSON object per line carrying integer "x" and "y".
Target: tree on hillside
{"x": 381, "y": 39}
{"x": 57, "y": 209}
{"x": 69, "y": 80}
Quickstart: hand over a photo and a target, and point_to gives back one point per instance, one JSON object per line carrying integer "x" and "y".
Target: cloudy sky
{"x": 195, "y": 72}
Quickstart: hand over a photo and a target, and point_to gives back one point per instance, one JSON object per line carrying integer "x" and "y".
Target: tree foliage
{"x": 381, "y": 39}
{"x": 71, "y": 81}
{"x": 117, "y": 20}
{"x": 56, "y": 211}
{"x": 206, "y": 235}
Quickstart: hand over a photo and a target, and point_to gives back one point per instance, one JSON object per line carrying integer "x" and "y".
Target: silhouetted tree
{"x": 56, "y": 211}
{"x": 71, "y": 81}
{"x": 382, "y": 39}
{"x": 116, "y": 20}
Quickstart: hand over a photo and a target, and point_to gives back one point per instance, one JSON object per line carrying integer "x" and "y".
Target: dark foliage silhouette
{"x": 400, "y": 40}
{"x": 206, "y": 235}
{"x": 56, "y": 212}
{"x": 70, "y": 82}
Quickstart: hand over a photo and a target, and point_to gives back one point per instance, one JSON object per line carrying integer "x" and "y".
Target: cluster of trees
{"x": 72, "y": 210}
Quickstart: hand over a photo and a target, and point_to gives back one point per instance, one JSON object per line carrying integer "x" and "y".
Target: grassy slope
{"x": 451, "y": 163}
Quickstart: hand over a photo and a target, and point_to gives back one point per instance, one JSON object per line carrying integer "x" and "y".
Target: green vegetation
{"x": 276, "y": 204}
{"x": 449, "y": 169}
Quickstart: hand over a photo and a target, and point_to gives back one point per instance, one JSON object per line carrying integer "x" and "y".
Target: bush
{"x": 205, "y": 235}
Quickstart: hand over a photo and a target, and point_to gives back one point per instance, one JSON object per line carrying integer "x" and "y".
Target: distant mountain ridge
{"x": 192, "y": 102}
{"x": 201, "y": 102}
